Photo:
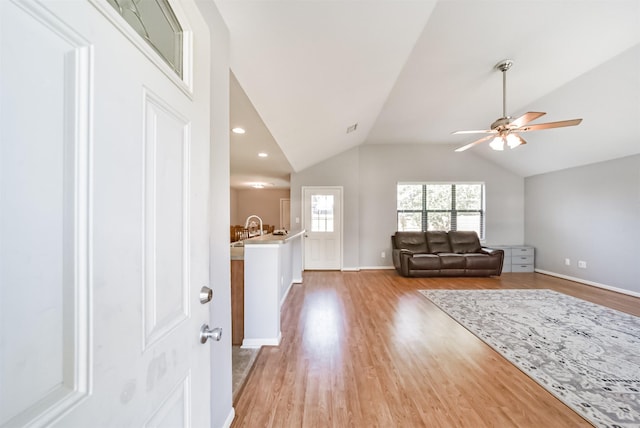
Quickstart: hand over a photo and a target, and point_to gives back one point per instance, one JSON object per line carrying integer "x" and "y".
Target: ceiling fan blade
{"x": 549, "y": 125}
{"x": 479, "y": 131}
{"x": 468, "y": 146}
{"x": 526, "y": 118}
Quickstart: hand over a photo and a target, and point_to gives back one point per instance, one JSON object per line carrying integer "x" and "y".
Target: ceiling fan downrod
{"x": 503, "y": 66}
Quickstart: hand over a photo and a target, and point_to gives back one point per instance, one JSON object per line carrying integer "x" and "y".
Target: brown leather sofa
{"x": 438, "y": 253}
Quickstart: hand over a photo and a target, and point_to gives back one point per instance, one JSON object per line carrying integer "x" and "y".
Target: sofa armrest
{"x": 492, "y": 251}
{"x": 497, "y": 254}
{"x": 401, "y": 260}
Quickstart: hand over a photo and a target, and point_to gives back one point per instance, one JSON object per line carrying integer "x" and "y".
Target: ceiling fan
{"x": 506, "y": 129}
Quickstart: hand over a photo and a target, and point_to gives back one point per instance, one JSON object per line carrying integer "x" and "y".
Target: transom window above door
{"x": 156, "y": 22}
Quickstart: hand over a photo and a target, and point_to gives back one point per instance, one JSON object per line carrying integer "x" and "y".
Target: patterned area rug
{"x": 587, "y": 355}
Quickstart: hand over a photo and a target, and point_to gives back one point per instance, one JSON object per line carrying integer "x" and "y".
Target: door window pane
{"x": 322, "y": 213}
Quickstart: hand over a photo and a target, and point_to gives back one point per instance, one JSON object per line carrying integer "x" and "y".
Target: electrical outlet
{"x": 567, "y": 262}
{"x": 383, "y": 254}
{"x": 582, "y": 264}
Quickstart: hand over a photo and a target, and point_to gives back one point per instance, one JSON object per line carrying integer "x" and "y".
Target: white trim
{"x": 591, "y": 283}
{"x": 286, "y": 293}
{"x": 230, "y": 417}
{"x": 350, "y": 269}
{"x": 258, "y": 343}
{"x": 376, "y": 267}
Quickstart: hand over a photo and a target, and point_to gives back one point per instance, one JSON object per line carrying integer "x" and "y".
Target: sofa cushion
{"x": 480, "y": 261}
{"x": 438, "y": 242}
{"x": 463, "y": 242}
{"x": 412, "y": 241}
{"x": 424, "y": 261}
{"x": 452, "y": 261}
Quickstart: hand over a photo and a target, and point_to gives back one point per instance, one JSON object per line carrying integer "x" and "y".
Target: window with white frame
{"x": 441, "y": 206}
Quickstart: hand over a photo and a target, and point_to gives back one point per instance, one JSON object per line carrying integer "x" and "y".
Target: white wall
{"x": 369, "y": 175}
{"x": 589, "y": 213}
{"x": 221, "y": 392}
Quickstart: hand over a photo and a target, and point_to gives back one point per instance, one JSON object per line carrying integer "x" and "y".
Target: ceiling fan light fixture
{"x": 514, "y": 140}
{"x": 497, "y": 143}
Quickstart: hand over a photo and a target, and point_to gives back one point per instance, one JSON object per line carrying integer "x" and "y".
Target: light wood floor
{"x": 364, "y": 349}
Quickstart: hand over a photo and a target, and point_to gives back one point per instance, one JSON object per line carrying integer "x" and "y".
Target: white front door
{"x": 322, "y": 220}
{"x": 103, "y": 222}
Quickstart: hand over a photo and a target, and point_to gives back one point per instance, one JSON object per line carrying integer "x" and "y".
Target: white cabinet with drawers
{"x": 517, "y": 258}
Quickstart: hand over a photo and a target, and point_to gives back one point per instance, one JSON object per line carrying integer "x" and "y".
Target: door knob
{"x": 206, "y": 294}
{"x": 206, "y": 333}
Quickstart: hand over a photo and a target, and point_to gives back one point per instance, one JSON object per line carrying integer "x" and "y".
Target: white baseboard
{"x": 350, "y": 269}
{"x": 286, "y": 293}
{"x": 591, "y": 283}
{"x": 376, "y": 267}
{"x": 258, "y": 343}
{"x": 230, "y": 418}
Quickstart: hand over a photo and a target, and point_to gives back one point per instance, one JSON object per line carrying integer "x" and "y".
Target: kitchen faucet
{"x": 246, "y": 223}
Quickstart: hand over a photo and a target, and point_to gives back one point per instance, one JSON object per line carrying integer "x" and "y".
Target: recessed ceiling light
{"x": 263, "y": 155}
{"x": 258, "y": 186}
{"x": 238, "y": 130}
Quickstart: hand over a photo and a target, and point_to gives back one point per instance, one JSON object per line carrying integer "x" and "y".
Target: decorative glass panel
{"x": 322, "y": 213}
{"x": 155, "y": 21}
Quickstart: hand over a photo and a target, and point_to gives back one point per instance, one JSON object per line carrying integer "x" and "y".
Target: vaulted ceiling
{"x": 415, "y": 71}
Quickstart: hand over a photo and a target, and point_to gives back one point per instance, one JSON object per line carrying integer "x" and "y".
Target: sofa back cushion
{"x": 438, "y": 242}
{"x": 463, "y": 242}
{"x": 412, "y": 241}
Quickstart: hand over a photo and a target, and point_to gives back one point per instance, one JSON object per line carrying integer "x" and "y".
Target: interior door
{"x": 322, "y": 220}
{"x": 103, "y": 226}
{"x": 285, "y": 214}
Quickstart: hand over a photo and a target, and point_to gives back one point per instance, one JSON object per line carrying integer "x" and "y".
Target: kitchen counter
{"x": 237, "y": 248}
{"x": 270, "y": 238}
{"x": 272, "y": 264}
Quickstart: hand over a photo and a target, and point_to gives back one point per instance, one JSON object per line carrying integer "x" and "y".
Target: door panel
{"x": 104, "y": 168}
{"x": 322, "y": 220}
{"x": 44, "y": 206}
{"x": 166, "y": 216}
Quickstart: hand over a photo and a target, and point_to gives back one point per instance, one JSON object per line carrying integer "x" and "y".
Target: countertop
{"x": 270, "y": 238}
{"x": 237, "y": 252}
